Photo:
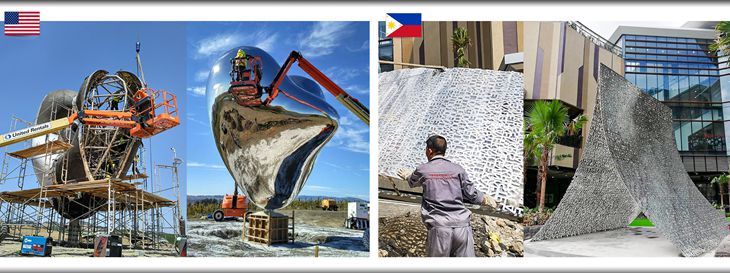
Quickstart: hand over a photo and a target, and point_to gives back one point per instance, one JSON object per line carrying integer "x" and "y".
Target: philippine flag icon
{"x": 403, "y": 25}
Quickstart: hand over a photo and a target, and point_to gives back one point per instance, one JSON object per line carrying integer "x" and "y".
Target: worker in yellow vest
{"x": 115, "y": 102}
{"x": 239, "y": 64}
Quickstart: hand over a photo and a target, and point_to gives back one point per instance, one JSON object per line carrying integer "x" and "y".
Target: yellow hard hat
{"x": 240, "y": 53}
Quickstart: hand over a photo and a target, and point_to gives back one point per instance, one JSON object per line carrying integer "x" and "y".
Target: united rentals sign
{"x": 34, "y": 131}
{"x": 27, "y": 131}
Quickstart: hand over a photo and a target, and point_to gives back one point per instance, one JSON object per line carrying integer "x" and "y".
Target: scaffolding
{"x": 131, "y": 208}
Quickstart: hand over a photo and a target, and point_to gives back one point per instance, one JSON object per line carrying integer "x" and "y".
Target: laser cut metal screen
{"x": 478, "y": 111}
{"x": 631, "y": 165}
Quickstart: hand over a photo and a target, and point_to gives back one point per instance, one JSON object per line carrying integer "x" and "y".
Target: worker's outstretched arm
{"x": 414, "y": 178}
{"x": 469, "y": 192}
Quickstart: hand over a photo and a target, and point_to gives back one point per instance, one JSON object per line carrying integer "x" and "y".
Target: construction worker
{"x": 445, "y": 189}
{"x": 239, "y": 64}
{"x": 115, "y": 102}
{"x": 135, "y": 171}
{"x": 110, "y": 168}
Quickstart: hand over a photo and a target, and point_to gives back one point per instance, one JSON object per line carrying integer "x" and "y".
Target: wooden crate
{"x": 268, "y": 229}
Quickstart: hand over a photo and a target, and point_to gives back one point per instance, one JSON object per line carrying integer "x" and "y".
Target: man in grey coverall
{"x": 445, "y": 189}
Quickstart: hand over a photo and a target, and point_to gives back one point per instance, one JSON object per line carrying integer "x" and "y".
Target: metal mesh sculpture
{"x": 631, "y": 165}
{"x": 478, "y": 111}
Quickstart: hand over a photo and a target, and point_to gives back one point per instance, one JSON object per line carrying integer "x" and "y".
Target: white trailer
{"x": 358, "y": 215}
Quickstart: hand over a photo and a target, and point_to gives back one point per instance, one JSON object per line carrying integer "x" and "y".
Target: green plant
{"x": 460, "y": 39}
{"x": 721, "y": 181}
{"x": 532, "y": 216}
{"x": 547, "y": 121}
{"x": 722, "y": 42}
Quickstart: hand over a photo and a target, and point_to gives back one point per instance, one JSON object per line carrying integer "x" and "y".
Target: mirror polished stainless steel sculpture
{"x": 631, "y": 165}
{"x": 269, "y": 149}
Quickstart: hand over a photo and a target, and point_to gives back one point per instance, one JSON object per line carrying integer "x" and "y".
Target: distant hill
{"x": 196, "y": 198}
{"x": 345, "y": 199}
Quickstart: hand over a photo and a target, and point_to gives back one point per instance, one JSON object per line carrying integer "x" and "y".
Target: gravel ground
{"x": 12, "y": 249}
{"x": 402, "y": 233}
{"x": 208, "y": 238}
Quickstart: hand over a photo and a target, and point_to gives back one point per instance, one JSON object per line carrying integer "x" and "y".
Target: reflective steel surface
{"x": 269, "y": 150}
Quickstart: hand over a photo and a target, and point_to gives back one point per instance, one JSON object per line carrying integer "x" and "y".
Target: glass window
{"x": 714, "y": 89}
{"x": 716, "y": 114}
{"x": 677, "y": 134}
{"x": 664, "y": 85}
{"x": 673, "y": 87}
{"x": 683, "y": 86}
{"x": 651, "y": 82}
{"x": 719, "y": 136}
{"x": 694, "y": 89}
{"x": 686, "y": 128}
{"x": 631, "y": 77}
{"x": 641, "y": 81}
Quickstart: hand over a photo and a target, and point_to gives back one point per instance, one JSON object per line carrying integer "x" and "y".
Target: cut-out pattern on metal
{"x": 631, "y": 165}
{"x": 478, "y": 111}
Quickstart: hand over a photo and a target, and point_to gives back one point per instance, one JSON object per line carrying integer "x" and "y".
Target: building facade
{"x": 676, "y": 67}
{"x": 560, "y": 61}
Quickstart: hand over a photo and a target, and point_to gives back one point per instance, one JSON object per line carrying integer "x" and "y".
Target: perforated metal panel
{"x": 478, "y": 111}
{"x": 631, "y": 165}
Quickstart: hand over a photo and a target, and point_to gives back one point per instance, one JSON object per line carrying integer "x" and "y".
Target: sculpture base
{"x": 269, "y": 227}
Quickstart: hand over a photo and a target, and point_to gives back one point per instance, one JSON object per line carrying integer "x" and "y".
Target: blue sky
{"x": 66, "y": 52}
{"x": 339, "y": 49}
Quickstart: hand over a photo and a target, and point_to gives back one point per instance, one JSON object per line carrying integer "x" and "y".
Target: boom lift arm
{"x": 145, "y": 120}
{"x": 352, "y": 104}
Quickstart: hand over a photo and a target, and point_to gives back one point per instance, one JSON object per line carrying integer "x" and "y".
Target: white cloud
{"x": 336, "y": 166}
{"x": 201, "y": 76}
{"x": 344, "y": 76}
{"x": 356, "y": 89}
{"x": 365, "y": 46}
{"x": 265, "y": 41}
{"x": 222, "y": 42}
{"x": 193, "y": 164}
{"x": 217, "y": 44}
{"x": 346, "y": 121}
{"x": 323, "y": 39}
{"x": 317, "y": 188}
{"x": 340, "y": 74}
{"x": 352, "y": 138}
{"x": 197, "y": 91}
{"x": 199, "y": 122}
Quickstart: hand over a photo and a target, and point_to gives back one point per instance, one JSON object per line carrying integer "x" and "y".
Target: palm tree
{"x": 722, "y": 42}
{"x": 547, "y": 122}
{"x": 461, "y": 40}
{"x": 721, "y": 181}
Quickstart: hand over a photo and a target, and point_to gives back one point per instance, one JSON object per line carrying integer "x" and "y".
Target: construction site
{"x": 77, "y": 180}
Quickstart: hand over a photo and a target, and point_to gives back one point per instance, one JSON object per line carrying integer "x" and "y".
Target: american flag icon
{"x": 22, "y": 23}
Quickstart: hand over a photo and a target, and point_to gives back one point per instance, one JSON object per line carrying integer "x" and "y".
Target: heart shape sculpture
{"x": 269, "y": 149}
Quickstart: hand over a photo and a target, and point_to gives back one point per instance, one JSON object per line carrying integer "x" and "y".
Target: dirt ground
{"x": 12, "y": 249}
{"x": 323, "y": 229}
